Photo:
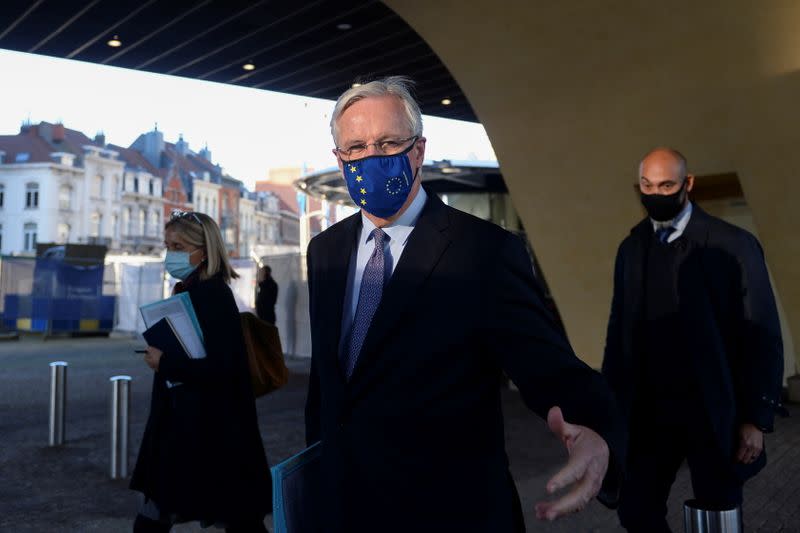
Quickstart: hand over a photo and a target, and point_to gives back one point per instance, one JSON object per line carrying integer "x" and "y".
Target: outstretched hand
{"x": 584, "y": 471}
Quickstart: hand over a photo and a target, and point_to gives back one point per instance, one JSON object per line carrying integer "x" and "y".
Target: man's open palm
{"x": 584, "y": 471}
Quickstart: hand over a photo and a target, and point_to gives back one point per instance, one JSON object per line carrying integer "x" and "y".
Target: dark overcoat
{"x": 201, "y": 455}
{"x": 729, "y": 321}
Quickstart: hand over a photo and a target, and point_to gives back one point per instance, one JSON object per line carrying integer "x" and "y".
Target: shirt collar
{"x": 401, "y": 228}
{"x": 679, "y": 222}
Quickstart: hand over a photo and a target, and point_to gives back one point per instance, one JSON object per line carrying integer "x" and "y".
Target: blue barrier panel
{"x": 41, "y": 308}
{"x": 24, "y": 306}
{"x": 64, "y": 326}
{"x": 107, "y": 306}
{"x": 11, "y": 307}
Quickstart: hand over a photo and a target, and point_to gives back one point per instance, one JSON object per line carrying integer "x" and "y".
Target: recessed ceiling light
{"x": 344, "y": 26}
{"x": 446, "y": 101}
{"x": 249, "y": 66}
{"x": 115, "y": 42}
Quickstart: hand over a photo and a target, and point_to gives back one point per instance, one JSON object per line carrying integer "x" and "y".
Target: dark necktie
{"x": 369, "y": 297}
{"x": 663, "y": 233}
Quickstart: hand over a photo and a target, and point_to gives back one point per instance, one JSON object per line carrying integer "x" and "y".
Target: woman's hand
{"x": 152, "y": 357}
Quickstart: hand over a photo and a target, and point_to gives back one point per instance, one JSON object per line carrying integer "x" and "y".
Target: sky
{"x": 247, "y": 130}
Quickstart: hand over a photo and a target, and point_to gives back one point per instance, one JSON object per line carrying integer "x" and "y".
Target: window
{"x": 94, "y": 225}
{"x": 32, "y": 196}
{"x": 136, "y": 184}
{"x": 115, "y": 187}
{"x": 63, "y": 233}
{"x": 30, "y": 236}
{"x": 114, "y": 227}
{"x": 65, "y": 197}
{"x": 152, "y": 189}
{"x": 97, "y": 187}
{"x": 142, "y": 218}
{"x": 22, "y": 157}
{"x": 153, "y": 227}
{"x": 1, "y": 238}
{"x": 2, "y": 194}
{"x": 126, "y": 221}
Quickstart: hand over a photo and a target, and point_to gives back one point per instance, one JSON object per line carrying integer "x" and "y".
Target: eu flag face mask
{"x": 380, "y": 184}
{"x": 178, "y": 265}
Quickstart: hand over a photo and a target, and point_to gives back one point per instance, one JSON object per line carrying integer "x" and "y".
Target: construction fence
{"x": 53, "y": 297}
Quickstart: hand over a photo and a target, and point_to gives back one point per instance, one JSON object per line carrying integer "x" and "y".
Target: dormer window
{"x": 22, "y": 157}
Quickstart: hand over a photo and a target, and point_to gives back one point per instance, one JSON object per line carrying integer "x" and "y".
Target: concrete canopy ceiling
{"x": 316, "y": 48}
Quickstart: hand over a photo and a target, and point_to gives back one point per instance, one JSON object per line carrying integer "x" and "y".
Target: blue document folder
{"x": 295, "y": 483}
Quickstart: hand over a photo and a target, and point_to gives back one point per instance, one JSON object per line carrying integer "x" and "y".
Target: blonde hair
{"x": 199, "y": 229}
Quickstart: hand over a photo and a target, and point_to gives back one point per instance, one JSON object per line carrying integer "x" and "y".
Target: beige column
{"x": 573, "y": 93}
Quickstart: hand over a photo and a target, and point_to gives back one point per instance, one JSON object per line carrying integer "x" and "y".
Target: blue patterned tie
{"x": 663, "y": 233}
{"x": 369, "y": 297}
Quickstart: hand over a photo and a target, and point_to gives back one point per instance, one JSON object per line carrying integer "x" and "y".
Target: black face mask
{"x": 664, "y": 207}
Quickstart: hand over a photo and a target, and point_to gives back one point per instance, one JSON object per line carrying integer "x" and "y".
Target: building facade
{"x": 57, "y": 185}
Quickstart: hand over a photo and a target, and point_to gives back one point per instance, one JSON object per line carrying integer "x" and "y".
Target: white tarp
{"x": 138, "y": 285}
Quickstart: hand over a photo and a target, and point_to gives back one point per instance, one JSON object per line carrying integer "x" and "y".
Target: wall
{"x": 573, "y": 93}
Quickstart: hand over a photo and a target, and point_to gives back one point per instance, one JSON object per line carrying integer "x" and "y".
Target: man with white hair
{"x": 416, "y": 310}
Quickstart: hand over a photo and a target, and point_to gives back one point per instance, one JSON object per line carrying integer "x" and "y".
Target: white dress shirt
{"x": 398, "y": 233}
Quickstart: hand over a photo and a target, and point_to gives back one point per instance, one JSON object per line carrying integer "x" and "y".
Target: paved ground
{"x": 67, "y": 489}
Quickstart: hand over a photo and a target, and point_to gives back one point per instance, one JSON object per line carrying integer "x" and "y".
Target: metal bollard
{"x": 120, "y": 434}
{"x": 697, "y": 520}
{"x": 58, "y": 397}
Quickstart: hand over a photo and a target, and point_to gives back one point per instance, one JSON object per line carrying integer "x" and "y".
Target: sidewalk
{"x": 67, "y": 489}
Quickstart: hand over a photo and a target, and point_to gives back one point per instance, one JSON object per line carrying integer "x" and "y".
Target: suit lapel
{"x": 423, "y": 250}
{"x": 334, "y": 285}
{"x": 697, "y": 229}
{"x": 641, "y": 233}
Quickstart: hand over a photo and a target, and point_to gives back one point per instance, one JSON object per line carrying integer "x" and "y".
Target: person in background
{"x": 693, "y": 349}
{"x": 266, "y": 295}
{"x": 201, "y": 457}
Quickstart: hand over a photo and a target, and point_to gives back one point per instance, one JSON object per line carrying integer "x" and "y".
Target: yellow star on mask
{"x": 359, "y": 179}
{"x": 363, "y": 202}
{"x": 363, "y": 191}
{"x": 352, "y": 168}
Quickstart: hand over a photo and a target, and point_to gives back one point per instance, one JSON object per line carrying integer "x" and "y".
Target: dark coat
{"x": 728, "y": 317}
{"x": 265, "y": 300}
{"x": 201, "y": 455}
{"x": 415, "y": 441}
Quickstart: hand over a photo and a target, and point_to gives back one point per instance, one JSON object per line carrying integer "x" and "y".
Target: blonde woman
{"x": 201, "y": 456}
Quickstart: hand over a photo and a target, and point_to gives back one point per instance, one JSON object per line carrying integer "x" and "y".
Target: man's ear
{"x": 338, "y": 161}
{"x": 689, "y": 182}
{"x": 419, "y": 151}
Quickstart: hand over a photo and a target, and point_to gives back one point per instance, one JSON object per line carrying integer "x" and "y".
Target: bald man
{"x": 693, "y": 351}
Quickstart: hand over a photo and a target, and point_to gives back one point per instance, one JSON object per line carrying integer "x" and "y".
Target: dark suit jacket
{"x": 729, "y": 318}
{"x": 414, "y": 441}
{"x": 201, "y": 454}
